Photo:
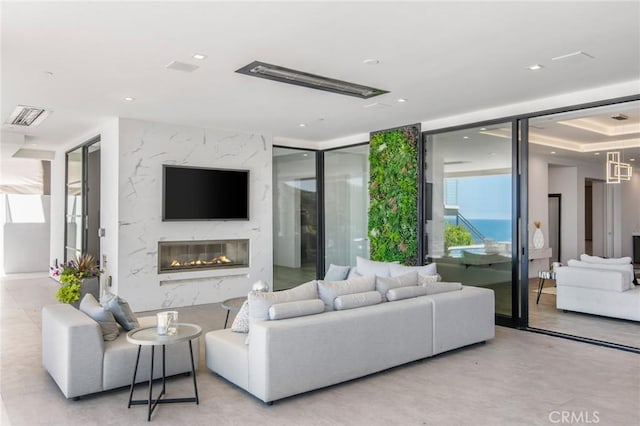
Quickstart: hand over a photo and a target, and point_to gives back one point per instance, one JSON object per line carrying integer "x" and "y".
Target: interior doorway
{"x": 594, "y": 217}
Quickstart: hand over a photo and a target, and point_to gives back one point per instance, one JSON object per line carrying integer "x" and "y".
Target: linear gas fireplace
{"x": 177, "y": 256}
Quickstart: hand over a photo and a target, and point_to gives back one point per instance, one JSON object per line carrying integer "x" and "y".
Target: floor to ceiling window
{"x": 294, "y": 217}
{"x": 469, "y": 217}
{"x": 346, "y": 176}
{"x": 581, "y": 212}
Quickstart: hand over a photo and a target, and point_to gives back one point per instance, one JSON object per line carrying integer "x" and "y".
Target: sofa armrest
{"x": 72, "y": 350}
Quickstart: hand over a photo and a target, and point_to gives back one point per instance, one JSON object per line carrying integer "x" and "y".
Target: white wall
{"x": 564, "y": 180}
{"x": 143, "y": 148}
{"x": 630, "y": 208}
{"x": 539, "y": 198}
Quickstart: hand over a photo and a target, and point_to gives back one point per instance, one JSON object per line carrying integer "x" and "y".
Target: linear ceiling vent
{"x": 26, "y": 116}
{"x": 299, "y": 78}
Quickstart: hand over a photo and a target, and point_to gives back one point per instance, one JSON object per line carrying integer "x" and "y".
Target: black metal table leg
{"x": 150, "y": 409}
{"x": 193, "y": 373}
{"x": 226, "y": 320}
{"x": 135, "y": 372}
{"x": 540, "y": 285}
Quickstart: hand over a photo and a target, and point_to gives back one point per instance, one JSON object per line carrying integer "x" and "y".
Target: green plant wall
{"x": 393, "y": 195}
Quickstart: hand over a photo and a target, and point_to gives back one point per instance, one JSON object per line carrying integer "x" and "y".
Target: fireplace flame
{"x": 214, "y": 261}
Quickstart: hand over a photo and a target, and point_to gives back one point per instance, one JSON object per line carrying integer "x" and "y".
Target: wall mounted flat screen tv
{"x": 196, "y": 193}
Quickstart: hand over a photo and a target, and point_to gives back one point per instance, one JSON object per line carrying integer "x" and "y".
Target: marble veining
{"x": 144, "y": 148}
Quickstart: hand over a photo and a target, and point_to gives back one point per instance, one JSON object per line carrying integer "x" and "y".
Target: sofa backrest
{"x": 598, "y": 279}
{"x": 625, "y": 269}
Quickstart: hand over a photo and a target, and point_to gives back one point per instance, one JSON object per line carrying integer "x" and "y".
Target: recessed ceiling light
{"x": 305, "y": 155}
{"x": 596, "y": 153}
{"x": 302, "y": 125}
{"x": 371, "y": 61}
{"x": 492, "y": 153}
{"x": 632, "y": 159}
{"x": 465, "y": 137}
{"x": 49, "y": 73}
{"x": 482, "y": 129}
{"x": 401, "y": 100}
{"x": 199, "y": 56}
{"x": 129, "y": 99}
{"x": 535, "y": 67}
{"x": 553, "y": 152}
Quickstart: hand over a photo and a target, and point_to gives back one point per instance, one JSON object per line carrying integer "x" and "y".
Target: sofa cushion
{"x": 408, "y": 292}
{"x": 442, "y": 287}
{"x": 397, "y": 269}
{"x": 607, "y": 261}
{"x": 372, "y": 267}
{"x": 384, "y": 284}
{"x": 357, "y": 300}
{"x": 626, "y": 269}
{"x": 241, "y": 321}
{"x": 422, "y": 279}
{"x": 121, "y": 311}
{"x": 260, "y": 302}
{"x": 329, "y": 290}
{"x": 299, "y": 308}
{"x": 337, "y": 272}
{"x": 90, "y": 306}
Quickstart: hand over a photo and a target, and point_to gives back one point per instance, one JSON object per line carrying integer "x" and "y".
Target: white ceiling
{"x": 80, "y": 59}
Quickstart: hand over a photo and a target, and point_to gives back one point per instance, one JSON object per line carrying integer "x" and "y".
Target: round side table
{"x": 232, "y": 305}
{"x": 148, "y": 336}
{"x": 542, "y": 276}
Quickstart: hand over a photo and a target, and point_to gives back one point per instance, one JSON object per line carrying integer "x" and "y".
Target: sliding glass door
{"x": 469, "y": 209}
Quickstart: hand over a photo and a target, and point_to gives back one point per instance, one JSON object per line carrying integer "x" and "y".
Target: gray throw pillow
{"x": 122, "y": 312}
{"x": 299, "y": 308}
{"x": 357, "y": 300}
{"x": 337, "y": 272}
{"x": 260, "y": 302}
{"x": 329, "y": 290}
{"x": 400, "y": 293}
{"x": 384, "y": 284}
{"x": 91, "y": 307}
{"x": 241, "y": 322}
{"x": 441, "y": 287}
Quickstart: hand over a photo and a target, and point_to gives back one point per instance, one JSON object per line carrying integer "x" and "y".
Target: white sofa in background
{"x": 295, "y": 355}
{"x": 81, "y": 362}
{"x": 599, "y": 286}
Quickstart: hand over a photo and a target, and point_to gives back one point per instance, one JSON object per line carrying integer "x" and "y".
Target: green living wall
{"x": 393, "y": 193}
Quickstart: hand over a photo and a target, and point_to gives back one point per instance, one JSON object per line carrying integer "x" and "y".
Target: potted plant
{"x": 77, "y": 277}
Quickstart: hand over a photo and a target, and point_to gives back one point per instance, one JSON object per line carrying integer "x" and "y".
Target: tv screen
{"x": 195, "y": 193}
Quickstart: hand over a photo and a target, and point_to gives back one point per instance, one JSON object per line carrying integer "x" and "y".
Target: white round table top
{"x": 149, "y": 336}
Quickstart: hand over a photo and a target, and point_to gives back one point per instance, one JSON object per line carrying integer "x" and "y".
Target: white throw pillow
{"x": 329, "y": 290}
{"x": 397, "y": 270}
{"x": 372, "y": 267}
{"x": 384, "y": 284}
{"x": 299, "y": 308}
{"x": 357, "y": 300}
{"x": 260, "y": 302}
{"x": 607, "y": 261}
{"x": 406, "y": 292}
{"x": 241, "y": 321}
{"x": 422, "y": 279}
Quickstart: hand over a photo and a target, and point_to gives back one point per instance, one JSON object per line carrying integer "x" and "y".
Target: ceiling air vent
{"x": 26, "y": 116}
{"x": 299, "y": 78}
{"x": 620, "y": 117}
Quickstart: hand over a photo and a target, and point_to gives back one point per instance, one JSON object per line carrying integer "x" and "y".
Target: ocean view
{"x": 495, "y": 229}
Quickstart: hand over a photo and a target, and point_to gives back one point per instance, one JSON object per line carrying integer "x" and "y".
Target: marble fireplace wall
{"x": 143, "y": 148}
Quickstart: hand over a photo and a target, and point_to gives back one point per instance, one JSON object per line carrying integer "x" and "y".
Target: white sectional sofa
{"x": 81, "y": 362}
{"x": 599, "y": 286}
{"x": 285, "y": 357}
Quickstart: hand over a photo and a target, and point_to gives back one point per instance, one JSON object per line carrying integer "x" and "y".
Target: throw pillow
{"x": 295, "y": 309}
{"x": 372, "y": 267}
{"x": 353, "y": 273}
{"x": 441, "y": 287}
{"x": 91, "y": 307}
{"x": 337, "y": 272}
{"x": 241, "y": 321}
{"x": 397, "y": 269}
{"x": 384, "y": 284}
{"x": 329, "y": 290}
{"x": 260, "y": 302}
{"x": 601, "y": 260}
{"x": 422, "y": 279}
{"x": 400, "y": 293}
{"x": 122, "y": 312}
{"x": 357, "y": 300}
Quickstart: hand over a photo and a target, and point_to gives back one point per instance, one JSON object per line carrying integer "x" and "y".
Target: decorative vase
{"x": 538, "y": 238}
{"x": 88, "y": 285}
